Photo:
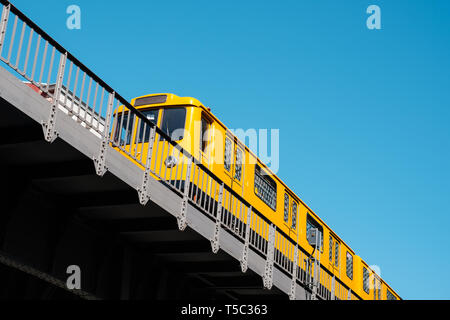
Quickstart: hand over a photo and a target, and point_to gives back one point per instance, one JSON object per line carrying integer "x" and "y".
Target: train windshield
{"x": 152, "y": 115}
{"x": 172, "y": 124}
{"x": 173, "y": 121}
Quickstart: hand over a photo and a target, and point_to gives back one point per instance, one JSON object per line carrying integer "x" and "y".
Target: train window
{"x": 173, "y": 121}
{"x": 331, "y": 249}
{"x": 238, "y": 165}
{"x": 227, "y": 155}
{"x": 336, "y": 253}
{"x": 265, "y": 188}
{"x": 151, "y": 115}
{"x": 204, "y": 139}
{"x": 390, "y": 295}
{"x": 286, "y": 208}
{"x": 294, "y": 215}
{"x": 366, "y": 280}
{"x": 124, "y": 129}
{"x": 349, "y": 266}
{"x": 313, "y": 224}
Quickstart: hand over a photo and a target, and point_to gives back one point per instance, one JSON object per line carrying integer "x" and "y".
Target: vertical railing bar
{"x": 88, "y": 96}
{"x": 238, "y": 218}
{"x": 4, "y": 26}
{"x": 87, "y": 105}
{"x": 33, "y": 69}
{"x": 183, "y": 160}
{"x": 258, "y": 234}
{"x": 11, "y": 42}
{"x": 50, "y": 68}
{"x": 191, "y": 185}
{"x": 209, "y": 195}
{"x": 137, "y": 138}
{"x": 83, "y": 81}
{"x": 27, "y": 55}
{"x": 212, "y": 198}
{"x": 170, "y": 180}
{"x": 164, "y": 161}
{"x": 44, "y": 58}
{"x": 68, "y": 84}
{"x": 19, "y": 51}
{"x": 204, "y": 192}
{"x": 100, "y": 110}
{"x": 230, "y": 207}
{"x": 282, "y": 251}
{"x": 141, "y": 158}
{"x": 161, "y": 158}
{"x": 121, "y": 126}
{"x": 200, "y": 189}
{"x": 163, "y": 142}
{"x": 157, "y": 141}
{"x": 204, "y": 183}
{"x": 177, "y": 168}
{"x": 194, "y": 196}
{"x": 94, "y": 104}
{"x": 129, "y": 132}
{"x": 75, "y": 86}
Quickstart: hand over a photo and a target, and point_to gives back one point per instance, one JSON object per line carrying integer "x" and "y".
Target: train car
{"x": 199, "y": 132}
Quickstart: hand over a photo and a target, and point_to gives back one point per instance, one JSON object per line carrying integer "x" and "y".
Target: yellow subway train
{"x": 195, "y": 129}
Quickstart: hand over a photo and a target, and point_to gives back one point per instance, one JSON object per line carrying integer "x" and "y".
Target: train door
{"x": 334, "y": 255}
{"x": 237, "y": 182}
{"x": 234, "y": 164}
{"x": 206, "y": 143}
{"x": 290, "y": 215}
{"x": 228, "y": 159}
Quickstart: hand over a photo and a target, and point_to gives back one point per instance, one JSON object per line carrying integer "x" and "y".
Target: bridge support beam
{"x": 216, "y": 237}
{"x": 50, "y": 133}
{"x": 100, "y": 160}
{"x": 268, "y": 270}
{"x": 244, "y": 258}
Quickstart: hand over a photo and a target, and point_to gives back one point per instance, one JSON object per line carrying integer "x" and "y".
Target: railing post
{"x": 317, "y": 252}
{"x": 268, "y": 270}
{"x": 50, "y": 133}
{"x": 143, "y": 190}
{"x": 244, "y": 258}
{"x": 215, "y": 240}
{"x": 4, "y": 23}
{"x": 181, "y": 219}
{"x": 292, "y": 295}
{"x": 100, "y": 161}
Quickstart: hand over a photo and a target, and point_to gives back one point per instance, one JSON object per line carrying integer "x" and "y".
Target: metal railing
{"x": 74, "y": 89}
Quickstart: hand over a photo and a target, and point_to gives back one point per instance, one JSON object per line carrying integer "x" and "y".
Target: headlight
{"x": 171, "y": 162}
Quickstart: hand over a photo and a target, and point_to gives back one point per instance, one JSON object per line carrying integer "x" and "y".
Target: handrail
{"x": 128, "y": 105}
{"x": 113, "y": 95}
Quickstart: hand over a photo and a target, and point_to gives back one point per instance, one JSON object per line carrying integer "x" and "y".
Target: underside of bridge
{"x": 56, "y": 212}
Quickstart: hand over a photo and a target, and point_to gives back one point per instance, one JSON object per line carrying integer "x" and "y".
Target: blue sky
{"x": 363, "y": 114}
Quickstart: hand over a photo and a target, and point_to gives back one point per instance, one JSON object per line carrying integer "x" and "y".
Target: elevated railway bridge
{"x": 71, "y": 198}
